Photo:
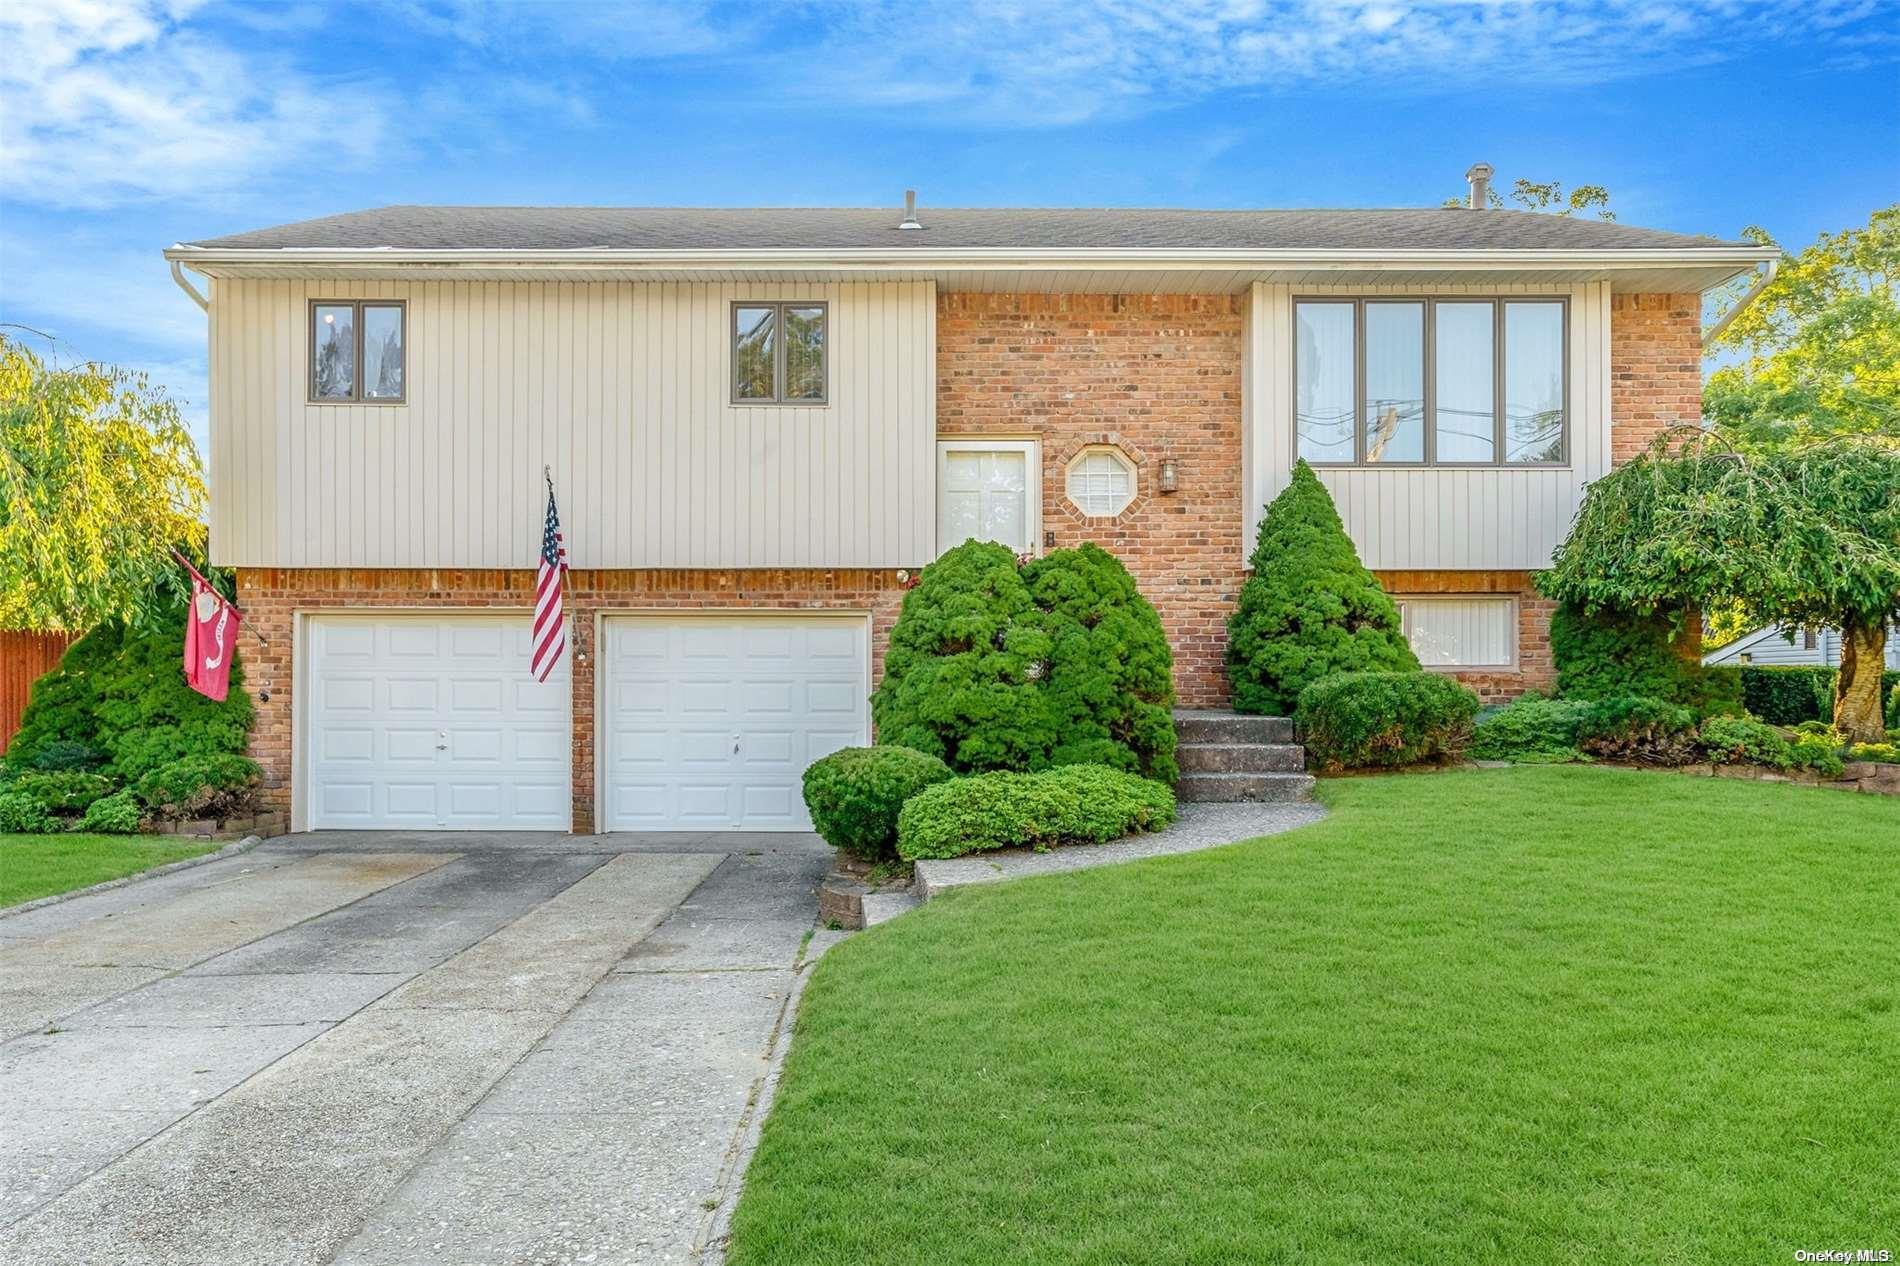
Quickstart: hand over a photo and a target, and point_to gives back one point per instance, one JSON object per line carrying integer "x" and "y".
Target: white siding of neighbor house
{"x": 621, "y": 387}
{"x": 1499, "y": 518}
{"x": 1785, "y": 646}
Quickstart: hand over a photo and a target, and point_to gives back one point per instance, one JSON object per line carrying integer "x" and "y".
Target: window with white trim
{"x": 1461, "y": 632}
{"x": 989, "y": 490}
{"x": 1101, "y": 482}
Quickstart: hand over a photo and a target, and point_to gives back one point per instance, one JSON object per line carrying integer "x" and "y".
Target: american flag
{"x": 550, "y": 630}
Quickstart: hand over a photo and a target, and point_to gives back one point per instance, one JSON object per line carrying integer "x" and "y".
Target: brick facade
{"x": 1655, "y": 368}
{"x": 270, "y": 598}
{"x": 1536, "y": 670}
{"x": 1157, "y": 376}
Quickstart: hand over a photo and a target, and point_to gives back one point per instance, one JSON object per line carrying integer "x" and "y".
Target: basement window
{"x": 1461, "y": 632}
{"x": 357, "y": 351}
{"x": 779, "y": 353}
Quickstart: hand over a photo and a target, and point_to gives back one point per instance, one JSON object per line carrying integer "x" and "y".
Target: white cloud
{"x": 107, "y": 101}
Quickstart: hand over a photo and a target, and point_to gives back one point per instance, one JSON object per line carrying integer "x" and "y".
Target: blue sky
{"x": 126, "y": 125}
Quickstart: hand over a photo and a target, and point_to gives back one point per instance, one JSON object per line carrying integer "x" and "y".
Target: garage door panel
{"x": 434, "y": 722}
{"x": 710, "y": 720}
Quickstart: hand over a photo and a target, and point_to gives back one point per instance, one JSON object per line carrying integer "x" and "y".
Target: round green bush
{"x": 855, "y": 794}
{"x": 116, "y": 814}
{"x": 1818, "y": 752}
{"x": 1383, "y": 720}
{"x": 21, "y": 814}
{"x": 960, "y": 674}
{"x": 1744, "y": 741}
{"x": 1309, "y": 609}
{"x": 1530, "y": 730}
{"x": 1109, "y": 684}
{"x": 1075, "y": 804}
{"x": 216, "y": 786}
{"x": 1635, "y": 728}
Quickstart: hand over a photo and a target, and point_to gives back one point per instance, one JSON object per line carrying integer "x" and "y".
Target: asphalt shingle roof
{"x": 948, "y": 228}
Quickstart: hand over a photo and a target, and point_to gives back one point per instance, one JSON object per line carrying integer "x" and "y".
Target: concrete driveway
{"x": 383, "y": 1048}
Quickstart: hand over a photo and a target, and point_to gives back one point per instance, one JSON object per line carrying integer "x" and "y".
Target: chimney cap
{"x": 910, "y": 210}
{"x": 1479, "y": 177}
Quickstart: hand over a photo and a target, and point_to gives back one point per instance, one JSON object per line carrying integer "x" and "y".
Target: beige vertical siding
{"x": 622, "y": 388}
{"x": 1431, "y": 519}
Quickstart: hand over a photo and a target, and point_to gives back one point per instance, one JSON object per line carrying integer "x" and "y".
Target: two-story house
{"x": 761, "y": 423}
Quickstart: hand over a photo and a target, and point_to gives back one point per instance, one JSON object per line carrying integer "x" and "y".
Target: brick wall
{"x": 271, "y": 597}
{"x": 1655, "y": 368}
{"x": 1535, "y": 668}
{"x": 1157, "y": 376}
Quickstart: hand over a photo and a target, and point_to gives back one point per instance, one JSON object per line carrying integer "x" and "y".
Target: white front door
{"x": 433, "y": 722}
{"x": 708, "y": 722}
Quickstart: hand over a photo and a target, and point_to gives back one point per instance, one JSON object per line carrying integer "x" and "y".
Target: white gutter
{"x": 1768, "y": 275}
{"x": 178, "y": 275}
{"x": 982, "y": 258}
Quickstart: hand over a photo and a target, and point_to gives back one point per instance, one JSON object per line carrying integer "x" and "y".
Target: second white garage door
{"x": 708, "y": 722}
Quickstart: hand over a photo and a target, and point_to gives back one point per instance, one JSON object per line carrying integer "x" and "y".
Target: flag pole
{"x": 186, "y": 563}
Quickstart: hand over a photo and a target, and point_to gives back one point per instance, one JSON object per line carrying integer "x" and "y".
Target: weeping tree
{"x": 98, "y": 480}
{"x": 1804, "y": 533}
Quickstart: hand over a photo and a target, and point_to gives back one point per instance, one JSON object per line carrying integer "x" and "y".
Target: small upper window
{"x": 356, "y": 351}
{"x": 1101, "y": 482}
{"x": 778, "y": 353}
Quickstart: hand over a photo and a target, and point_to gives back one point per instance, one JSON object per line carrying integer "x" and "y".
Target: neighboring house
{"x": 1778, "y": 645}
{"x": 761, "y": 423}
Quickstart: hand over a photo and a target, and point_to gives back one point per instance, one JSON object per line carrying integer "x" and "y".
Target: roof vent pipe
{"x": 1480, "y": 177}
{"x": 910, "y": 210}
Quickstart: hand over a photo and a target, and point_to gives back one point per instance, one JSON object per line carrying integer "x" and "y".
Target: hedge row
{"x": 1383, "y": 720}
{"x": 1074, "y": 804}
{"x": 1796, "y": 693}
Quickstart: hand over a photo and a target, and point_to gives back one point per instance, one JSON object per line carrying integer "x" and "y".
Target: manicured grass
{"x": 33, "y": 866}
{"x": 1538, "y": 1014}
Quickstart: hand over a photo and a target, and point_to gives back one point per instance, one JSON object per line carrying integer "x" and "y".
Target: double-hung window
{"x": 989, "y": 490}
{"x": 778, "y": 353}
{"x": 1431, "y": 382}
{"x": 356, "y": 351}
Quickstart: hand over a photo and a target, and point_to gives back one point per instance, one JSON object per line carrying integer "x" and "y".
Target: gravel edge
{"x": 244, "y": 845}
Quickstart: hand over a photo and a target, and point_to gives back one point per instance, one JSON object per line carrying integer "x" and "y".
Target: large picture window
{"x": 356, "y": 351}
{"x": 778, "y": 353}
{"x": 1439, "y": 382}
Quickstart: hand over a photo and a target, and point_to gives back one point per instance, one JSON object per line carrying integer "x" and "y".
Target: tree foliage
{"x": 1549, "y": 198}
{"x": 1309, "y": 608}
{"x": 1805, "y": 534}
{"x": 1820, "y": 346}
{"x": 98, "y": 479}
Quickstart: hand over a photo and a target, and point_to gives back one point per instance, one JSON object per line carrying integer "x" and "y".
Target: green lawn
{"x": 40, "y": 865}
{"x": 1542, "y": 1014}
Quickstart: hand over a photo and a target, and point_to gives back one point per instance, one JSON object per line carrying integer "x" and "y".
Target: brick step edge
{"x": 1241, "y": 758}
{"x": 1243, "y": 788}
{"x": 1231, "y": 727}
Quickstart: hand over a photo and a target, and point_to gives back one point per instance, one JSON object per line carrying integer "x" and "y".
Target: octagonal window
{"x": 1101, "y": 482}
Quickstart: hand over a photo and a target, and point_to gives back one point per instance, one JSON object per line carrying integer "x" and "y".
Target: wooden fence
{"x": 23, "y": 657}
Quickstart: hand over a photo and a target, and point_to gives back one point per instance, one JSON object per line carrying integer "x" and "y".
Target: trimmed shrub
{"x": 1530, "y": 730}
{"x": 116, "y": 814}
{"x": 960, "y": 675}
{"x": 1059, "y": 662}
{"x": 215, "y": 786}
{"x": 21, "y": 814}
{"x": 1611, "y": 654}
{"x": 63, "y": 791}
{"x": 854, "y": 795}
{"x": 1109, "y": 686}
{"x": 1310, "y": 609}
{"x": 1076, "y": 804}
{"x": 1366, "y": 720}
{"x": 1634, "y": 728}
{"x": 1791, "y": 694}
{"x": 1744, "y": 741}
{"x": 1818, "y": 752}
{"x": 1886, "y": 752}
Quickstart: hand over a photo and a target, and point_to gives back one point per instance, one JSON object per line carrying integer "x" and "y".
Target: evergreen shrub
{"x": 1368, "y": 720}
{"x": 855, "y": 794}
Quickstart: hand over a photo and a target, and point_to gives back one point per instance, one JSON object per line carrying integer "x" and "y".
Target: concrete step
{"x": 1233, "y": 788}
{"x": 1206, "y": 726}
{"x": 1241, "y": 758}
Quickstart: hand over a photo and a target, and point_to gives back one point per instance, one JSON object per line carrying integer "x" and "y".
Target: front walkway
{"x": 382, "y": 1048}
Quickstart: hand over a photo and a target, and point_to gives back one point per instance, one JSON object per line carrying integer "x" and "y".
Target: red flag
{"x": 211, "y": 629}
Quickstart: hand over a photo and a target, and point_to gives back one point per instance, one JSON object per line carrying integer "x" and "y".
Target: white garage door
{"x": 709, "y": 721}
{"x": 433, "y": 722}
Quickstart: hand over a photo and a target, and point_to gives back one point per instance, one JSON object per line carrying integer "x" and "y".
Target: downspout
{"x": 1708, "y": 340}
{"x": 204, "y": 304}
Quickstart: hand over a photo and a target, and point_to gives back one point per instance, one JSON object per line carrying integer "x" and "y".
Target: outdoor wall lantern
{"x": 1170, "y": 477}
